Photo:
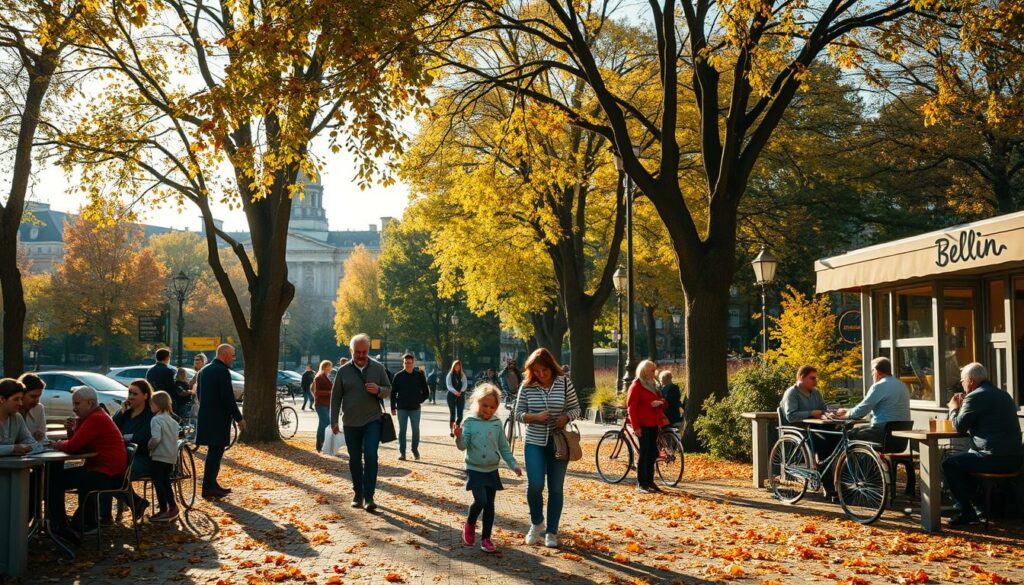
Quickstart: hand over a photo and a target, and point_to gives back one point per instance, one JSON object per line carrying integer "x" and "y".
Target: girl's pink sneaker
{"x": 487, "y": 546}
{"x": 468, "y": 533}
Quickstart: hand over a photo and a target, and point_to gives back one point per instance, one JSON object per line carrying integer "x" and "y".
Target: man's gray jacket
{"x": 350, "y": 399}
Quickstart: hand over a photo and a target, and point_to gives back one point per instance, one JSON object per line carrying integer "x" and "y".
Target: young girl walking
{"x": 163, "y": 449}
{"x": 481, "y": 437}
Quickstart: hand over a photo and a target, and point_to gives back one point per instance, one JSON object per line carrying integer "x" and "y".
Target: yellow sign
{"x": 201, "y": 343}
{"x": 375, "y": 344}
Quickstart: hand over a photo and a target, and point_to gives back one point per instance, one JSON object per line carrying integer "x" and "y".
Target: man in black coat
{"x": 161, "y": 376}
{"x": 217, "y": 408}
{"x": 307, "y": 384}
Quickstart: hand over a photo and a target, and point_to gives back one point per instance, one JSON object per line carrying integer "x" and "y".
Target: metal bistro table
{"x": 931, "y": 473}
{"x": 14, "y": 508}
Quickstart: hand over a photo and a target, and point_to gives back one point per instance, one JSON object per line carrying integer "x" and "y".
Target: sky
{"x": 348, "y": 207}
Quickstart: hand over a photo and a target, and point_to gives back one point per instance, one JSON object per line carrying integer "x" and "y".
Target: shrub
{"x": 721, "y": 429}
{"x": 603, "y": 395}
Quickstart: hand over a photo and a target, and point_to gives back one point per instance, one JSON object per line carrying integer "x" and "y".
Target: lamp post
{"x": 677, "y": 319}
{"x": 182, "y": 287}
{"x": 764, "y": 272}
{"x": 627, "y": 376}
{"x": 455, "y": 335}
{"x": 37, "y": 343}
{"x": 387, "y": 328}
{"x": 619, "y": 281}
{"x": 286, "y": 320}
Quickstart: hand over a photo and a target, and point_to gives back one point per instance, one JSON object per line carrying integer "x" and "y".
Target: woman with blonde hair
{"x": 546, "y": 402}
{"x": 322, "y": 386}
{"x": 646, "y": 408}
{"x": 457, "y": 385}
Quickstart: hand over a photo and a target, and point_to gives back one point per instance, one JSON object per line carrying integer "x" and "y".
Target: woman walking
{"x": 546, "y": 402}
{"x": 457, "y": 385}
{"x": 646, "y": 409}
{"x": 322, "y": 385}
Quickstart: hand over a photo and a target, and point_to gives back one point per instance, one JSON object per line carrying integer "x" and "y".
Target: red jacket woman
{"x": 639, "y": 404}
{"x": 646, "y": 408}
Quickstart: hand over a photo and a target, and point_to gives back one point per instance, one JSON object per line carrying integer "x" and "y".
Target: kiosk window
{"x": 914, "y": 312}
{"x": 1018, "y": 344}
{"x": 996, "y": 313}
{"x": 958, "y": 324}
{"x": 916, "y": 368}
{"x": 882, "y": 316}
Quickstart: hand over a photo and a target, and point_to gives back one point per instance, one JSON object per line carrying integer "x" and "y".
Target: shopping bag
{"x": 333, "y": 442}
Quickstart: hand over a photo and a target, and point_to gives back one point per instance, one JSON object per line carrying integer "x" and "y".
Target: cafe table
{"x": 931, "y": 473}
{"x": 14, "y": 508}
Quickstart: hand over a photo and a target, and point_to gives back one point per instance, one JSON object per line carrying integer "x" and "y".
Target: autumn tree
{"x": 805, "y": 333}
{"x": 105, "y": 278}
{"x": 35, "y": 37}
{"x": 739, "y": 64}
{"x": 358, "y": 307}
{"x": 203, "y": 103}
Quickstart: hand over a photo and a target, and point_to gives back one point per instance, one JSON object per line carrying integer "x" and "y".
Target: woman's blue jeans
{"x": 541, "y": 464}
{"x": 323, "y": 413}
{"x": 404, "y": 418}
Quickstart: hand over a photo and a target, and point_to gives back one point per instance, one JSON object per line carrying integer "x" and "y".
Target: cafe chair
{"x": 894, "y": 452}
{"x": 989, "y": 481}
{"x": 122, "y": 493}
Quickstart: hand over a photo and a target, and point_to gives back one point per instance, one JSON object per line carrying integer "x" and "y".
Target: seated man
{"x": 888, "y": 400}
{"x": 97, "y": 433}
{"x": 15, "y": 438}
{"x": 31, "y": 409}
{"x": 804, "y": 400}
{"x": 989, "y": 416}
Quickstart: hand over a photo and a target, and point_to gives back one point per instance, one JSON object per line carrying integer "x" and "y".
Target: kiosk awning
{"x": 964, "y": 248}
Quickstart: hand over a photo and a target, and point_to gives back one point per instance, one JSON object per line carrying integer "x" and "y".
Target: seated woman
{"x": 15, "y": 438}
{"x": 134, "y": 421}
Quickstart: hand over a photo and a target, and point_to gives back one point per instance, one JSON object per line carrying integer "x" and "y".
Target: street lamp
{"x": 619, "y": 280}
{"x": 764, "y": 271}
{"x": 182, "y": 287}
{"x": 455, "y": 336}
{"x": 37, "y": 343}
{"x": 677, "y": 319}
{"x": 627, "y": 376}
{"x": 286, "y": 320}
{"x": 387, "y": 328}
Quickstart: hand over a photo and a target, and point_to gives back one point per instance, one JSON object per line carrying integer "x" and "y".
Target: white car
{"x": 126, "y": 375}
{"x": 60, "y": 384}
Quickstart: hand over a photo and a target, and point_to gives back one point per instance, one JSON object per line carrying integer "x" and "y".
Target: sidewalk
{"x": 289, "y": 522}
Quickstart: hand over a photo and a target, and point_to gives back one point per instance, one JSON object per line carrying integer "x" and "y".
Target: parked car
{"x": 289, "y": 382}
{"x": 61, "y": 383}
{"x": 126, "y": 375}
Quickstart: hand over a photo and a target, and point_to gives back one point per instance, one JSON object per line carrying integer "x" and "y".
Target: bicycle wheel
{"x": 670, "y": 459}
{"x": 614, "y": 456}
{"x": 287, "y": 422}
{"x": 185, "y": 477}
{"x": 510, "y": 433}
{"x": 861, "y": 483}
{"x": 789, "y": 454}
{"x": 234, "y": 435}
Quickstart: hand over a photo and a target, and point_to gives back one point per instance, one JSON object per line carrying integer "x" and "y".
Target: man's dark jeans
{"x": 214, "y": 454}
{"x": 957, "y": 470}
{"x": 362, "y": 443}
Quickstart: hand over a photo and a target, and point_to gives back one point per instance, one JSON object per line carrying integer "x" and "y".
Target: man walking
{"x": 510, "y": 379}
{"x": 358, "y": 396}
{"x": 217, "y": 408}
{"x": 408, "y": 391}
{"x": 307, "y": 385}
{"x": 432, "y": 385}
{"x": 161, "y": 376}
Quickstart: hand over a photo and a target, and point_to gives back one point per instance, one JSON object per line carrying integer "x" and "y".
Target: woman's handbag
{"x": 567, "y": 443}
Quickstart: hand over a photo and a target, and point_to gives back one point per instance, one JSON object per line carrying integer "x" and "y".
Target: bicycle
{"x": 287, "y": 418}
{"x": 513, "y": 431}
{"x": 183, "y": 475}
{"x": 859, "y": 472}
{"x": 614, "y": 456}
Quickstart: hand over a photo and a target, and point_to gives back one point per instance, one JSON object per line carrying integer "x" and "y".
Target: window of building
{"x": 914, "y": 312}
{"x": 1018, "y": 344}
{"x": 734, "y": 317}
{"x": 996, "y": 322}
{"x": 959, "y": 339}
{"x": 915, "y": 367}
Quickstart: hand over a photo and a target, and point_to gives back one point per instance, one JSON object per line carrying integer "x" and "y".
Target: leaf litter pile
{"x": 288, "y": 521}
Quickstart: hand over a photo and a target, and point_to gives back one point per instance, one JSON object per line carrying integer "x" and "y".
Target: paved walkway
{"x": 289, "y": 522}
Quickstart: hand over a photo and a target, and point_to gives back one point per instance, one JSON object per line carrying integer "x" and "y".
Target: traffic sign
{"x": 200, "y": 343}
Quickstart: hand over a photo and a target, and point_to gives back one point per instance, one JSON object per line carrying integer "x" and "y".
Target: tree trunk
{"x": 549, "y": 330}
{"x": 650, "y": 324}
{"x": 581, "y": 351}
{"x": 706, "y": 347}
{"x": 13, "y": 209}
{"x": 261, "y": 349}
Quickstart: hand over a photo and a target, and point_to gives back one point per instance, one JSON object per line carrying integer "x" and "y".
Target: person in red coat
{"x": 646, "y": 409}
{"x": 94, "y": 432}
